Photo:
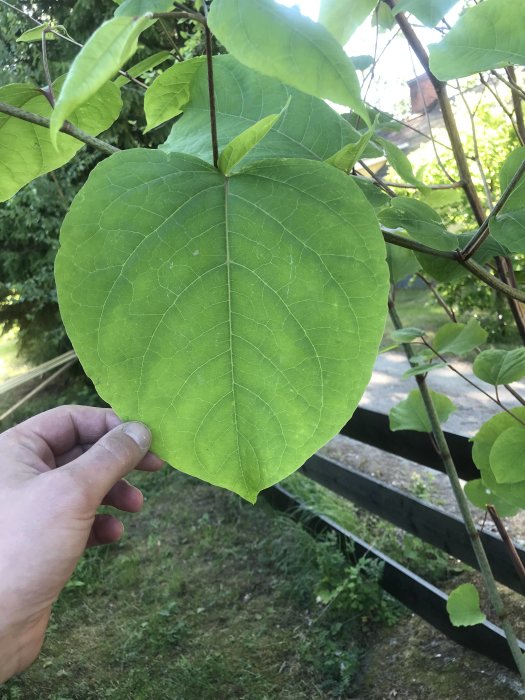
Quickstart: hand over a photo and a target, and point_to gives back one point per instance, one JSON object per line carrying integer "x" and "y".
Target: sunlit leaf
{"x": 309, "y": 129}
{"x": 280, "y": 42}
{"x": 463, "y": 606}
{"x": 484, "y": 37}
{"x": 411, "y": 414}
{"x": 26, "y": 151}
{"x": 103, "y": 55}
{"x": 347, "y": 157}
{"x": 167, "y": 96}
{"x": 459, "y": 338}
{"x": 245, "y": 142}
{"x": 343, "y": 17}
{"x": 406, "y": 335}
{"x": 230, "y": 314}
{"x": 36, "y": 33}
{"x": 142, "y": 67}
{"x": 429, "y": 12}
{"x": 423, "y": 369}
{"x": 500, "y": 366}
{"x": 399, "y": 161}
{"x": 507, "y": 456}
{"x": 483, "y": 441}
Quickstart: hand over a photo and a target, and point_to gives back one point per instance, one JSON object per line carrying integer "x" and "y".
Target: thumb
{"x": 116, "y": 454}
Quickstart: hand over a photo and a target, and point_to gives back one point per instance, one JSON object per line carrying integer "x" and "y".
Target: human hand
{"x": 56, "y": 469}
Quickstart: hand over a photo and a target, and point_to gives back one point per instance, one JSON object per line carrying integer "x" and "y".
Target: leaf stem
{"x": 45, "y": 63}
{"x": 67, "y": 128}
{"x": 450, "y": 468}
{"x": 211, "y": 90}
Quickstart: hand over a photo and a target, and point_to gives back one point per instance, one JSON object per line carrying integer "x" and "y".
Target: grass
{"x": 205, "y": 597}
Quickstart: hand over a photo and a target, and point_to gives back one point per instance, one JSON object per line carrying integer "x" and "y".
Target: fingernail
{"x": 139, "y": 433}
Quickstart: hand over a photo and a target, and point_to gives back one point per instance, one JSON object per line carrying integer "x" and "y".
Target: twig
{"x": 36, "y": 390}
{"x": 67, "y": 128}
{"x": 448, "y": 309}
{"x": 483, "y": 231}
{"x": 405, "y": 186}
{"x": 377, "y": 179}
{"x": 195, "y": 16}
{"x": 49, "y": 91}
{"x": 509, "y": 544}
{"x": 450, "y": 468}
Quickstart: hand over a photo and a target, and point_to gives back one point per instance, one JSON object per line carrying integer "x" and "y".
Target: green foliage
{"x": 429, "y": 12}
{"x": 35, "y": 154}
{"x": 484, "y": 441}
{"x": 102, "y": 56}
{"x": 246, "y": 141}
{"x": 278, "y": 385}
{"x": 406, "y": 335}
{"x": 399, "y": 161}
{"x": 411, "y": 413}
{"x": 135, "y": 8}
{"x": 463, "y": 606}
{"x": 280, "y": 42}
{"x": 500, "y": 366}
{"x": 309, "y": 129}
{"x": 506, "y": 456}
{"x": 459, "y": 338}
{"x": 167, "y": 96}
{"x": 480, "y": 495}
{"x": 347, "y": 157}
{"x": 343, "y": 17}
{"x": 37, "y": 33}
{"x": 484, "y": 37}
{"x": 145, "y": 66}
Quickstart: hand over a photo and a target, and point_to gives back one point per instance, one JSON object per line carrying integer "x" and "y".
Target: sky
{"x": 396, "y": 66}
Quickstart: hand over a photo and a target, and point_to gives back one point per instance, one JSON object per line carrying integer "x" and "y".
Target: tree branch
{"x": 68, "y": 128}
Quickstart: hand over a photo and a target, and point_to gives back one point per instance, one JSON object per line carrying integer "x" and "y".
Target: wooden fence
{"x": 413, "y": 515}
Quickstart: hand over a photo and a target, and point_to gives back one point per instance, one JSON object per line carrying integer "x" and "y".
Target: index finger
{"x": 65, "y": 427}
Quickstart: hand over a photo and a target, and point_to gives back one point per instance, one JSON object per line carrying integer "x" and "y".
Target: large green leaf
{"x": 483, "y": 441}
{"x": 309, "y": 129}
{"x": 343, "y": 17}
{"x": 281, "y": 42}
{"x": 239, "y": 316}
{"x": 26, "y": 151}
{"x": 506, "y": 456}
{"x": 429, "y": 12}
{"x": 500, "y": 366}
{"x": 167, "y": 96}
{"x": 411, "y": 413}
{"x": 463, "y": 606}
{"x": 486, "y": 36}
{"x": 459, "y": 338}
{"x": 103, "y": 55}
{"x": 420, "y": 221}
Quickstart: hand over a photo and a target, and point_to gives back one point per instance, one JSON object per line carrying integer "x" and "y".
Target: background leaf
{"x": 309, "y": 129}
{"x": 506, "y": 456}
{"x": 26, "y": 151}
{"x": 500, "y": 366}
{"x": 463, "y": 606}
{"x": 410, "y": 414}
{"x": 429, "y": 12}
{"x": 281, "y": 42}
{"x": 480, "y": 495}
{"x": 167, "y": 96}
{"x": 399, "y": 161}
{"x": 103, "y": 55}
{"x": 142, "y": 67}
{"x": 459, "y": 338}
{"x": 484, "y": 37}
{"x": 136, "y": 8}
{"x": 343, "y": 17}
{"x": 226, "y": 313}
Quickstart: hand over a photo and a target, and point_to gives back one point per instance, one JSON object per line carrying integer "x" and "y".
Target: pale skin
{"x": 56, "y": 469}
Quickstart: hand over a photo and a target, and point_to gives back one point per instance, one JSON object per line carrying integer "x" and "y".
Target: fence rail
{"x": 431, "y": 524}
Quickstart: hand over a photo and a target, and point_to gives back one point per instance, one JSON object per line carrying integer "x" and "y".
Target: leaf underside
{"x": 239, "y": 317}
